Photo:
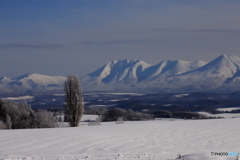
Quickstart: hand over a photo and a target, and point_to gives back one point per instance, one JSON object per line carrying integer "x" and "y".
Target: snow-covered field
{"x": 225, "y": 115}
{"x": 89, "y": 117}
{"x": 101, "y": 106}
{"x": 155, "y": 140}
{"x": 228, "y": 109}
{"x": 19, "y": 98}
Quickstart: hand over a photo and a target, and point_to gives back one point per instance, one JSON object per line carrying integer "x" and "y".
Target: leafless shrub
{"x": 95, "y": 123}
{"x": 8, "y": 122}
{"x": 44, "y": 119}
{"x": 2, "y": 125}
{"x": 237, "y": 158}
{"x": 180, "y": 157}
{"x": 119, "y": 121}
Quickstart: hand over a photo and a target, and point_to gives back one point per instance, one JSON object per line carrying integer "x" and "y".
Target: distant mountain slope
{"x": 32, "y": 82}
{"x": 224, "y": 66}
{"x": 170, "y": 68}
{"x": 211, "y": 76}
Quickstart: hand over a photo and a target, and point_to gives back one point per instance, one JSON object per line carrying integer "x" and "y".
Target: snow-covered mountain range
{"x": 220, "y": 75}
{"x": 136, "y": 71}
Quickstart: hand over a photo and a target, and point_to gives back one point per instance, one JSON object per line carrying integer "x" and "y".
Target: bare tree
{"x": 74, "y": 102}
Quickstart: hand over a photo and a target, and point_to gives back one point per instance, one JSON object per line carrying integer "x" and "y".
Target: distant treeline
{"x": 130, "y": 115}
{"x": 112, "y": 114}
{"x": 116, "y": 113}
{"x": 181, "y": 115}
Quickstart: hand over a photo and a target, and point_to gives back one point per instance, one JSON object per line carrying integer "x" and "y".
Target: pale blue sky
{"x": 61, "y": 37}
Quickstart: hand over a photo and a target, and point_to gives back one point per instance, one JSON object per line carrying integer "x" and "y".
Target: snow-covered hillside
{"x": 36, "y": 80}
{"x": 142, "y": 140}
{"x": 33, "y": 82}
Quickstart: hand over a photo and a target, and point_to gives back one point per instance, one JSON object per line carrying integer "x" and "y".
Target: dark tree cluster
{"x": 95, "y": 111}
{"x": 15, "y": 115}
{"x": 180, "y": 115}
{"x": 126, "y": 115}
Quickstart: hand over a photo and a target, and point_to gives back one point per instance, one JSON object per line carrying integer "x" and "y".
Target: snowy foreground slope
{"x": 159, "y": 140}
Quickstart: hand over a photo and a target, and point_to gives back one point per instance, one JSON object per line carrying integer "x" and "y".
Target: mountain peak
{"x": 4, "y": 78}
{"x": 118, "y": 71}
{"x": 232, "y": 58}
{"x": 224, "y": 66}
{"x": 226, "y": 56}
{"x": 23, "y": 76}
{"x": 124, "y": 61}
{"x": 227, "y": 60}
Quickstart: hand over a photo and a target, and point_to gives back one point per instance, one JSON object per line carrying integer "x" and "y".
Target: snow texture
{"x": 155, "y": 140}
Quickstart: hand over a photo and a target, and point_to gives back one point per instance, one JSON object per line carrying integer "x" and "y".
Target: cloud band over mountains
{"x": 32, "y": 46}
